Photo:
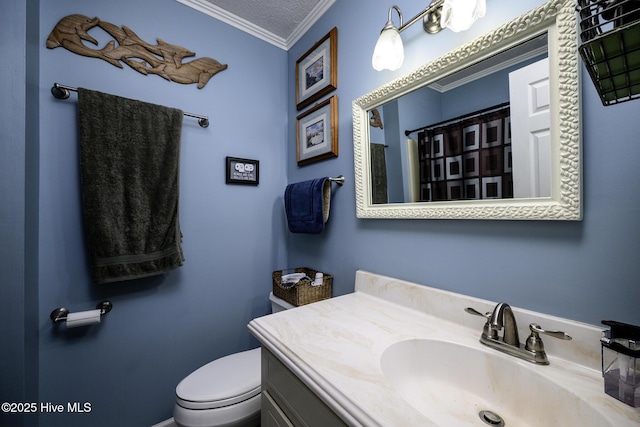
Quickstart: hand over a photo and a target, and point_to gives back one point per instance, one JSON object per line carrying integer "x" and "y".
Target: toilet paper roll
{"x": 82, "y": 318}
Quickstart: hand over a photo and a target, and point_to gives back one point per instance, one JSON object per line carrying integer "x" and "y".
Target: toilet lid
{"x": 225, "y": 381}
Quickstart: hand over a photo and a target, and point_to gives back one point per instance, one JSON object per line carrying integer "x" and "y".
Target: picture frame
{"x": 317, "y": 70}
{"x": 317, "y": 132}
{"x": 242, "y": 171}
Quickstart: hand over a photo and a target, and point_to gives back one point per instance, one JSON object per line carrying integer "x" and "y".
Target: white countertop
{"x": 335, "y": 347}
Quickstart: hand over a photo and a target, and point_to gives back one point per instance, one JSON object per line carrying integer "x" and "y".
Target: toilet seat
{"x": 226, "y": 381}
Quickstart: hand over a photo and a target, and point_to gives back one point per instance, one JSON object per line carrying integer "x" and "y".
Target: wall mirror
{"x": 490, "y": 130}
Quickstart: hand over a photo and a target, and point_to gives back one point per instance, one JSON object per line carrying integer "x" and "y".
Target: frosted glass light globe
{"x": 459, "y": 15}
{"x": 389, "y": 51}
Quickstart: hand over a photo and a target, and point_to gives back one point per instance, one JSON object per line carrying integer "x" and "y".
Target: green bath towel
{"x": 379, "y": 191}
{"x": 129, "y": 168}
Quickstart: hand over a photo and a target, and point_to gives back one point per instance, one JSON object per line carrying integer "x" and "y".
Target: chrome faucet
{"x": 502, "y": 319}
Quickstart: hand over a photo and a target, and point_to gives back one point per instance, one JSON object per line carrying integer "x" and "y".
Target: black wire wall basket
{"x": 610, "y": 47}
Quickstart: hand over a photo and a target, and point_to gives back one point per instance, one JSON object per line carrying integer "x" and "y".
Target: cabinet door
{"x": 271, "y": 415}
{"x": 298, "y": 404}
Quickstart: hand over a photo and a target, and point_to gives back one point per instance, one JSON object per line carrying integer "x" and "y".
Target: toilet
{"x": 225, "y": 392}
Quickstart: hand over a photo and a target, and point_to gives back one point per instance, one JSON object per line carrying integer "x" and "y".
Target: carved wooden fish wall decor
{"x": 375, "y": 120}
{"x": 163, "y": 59}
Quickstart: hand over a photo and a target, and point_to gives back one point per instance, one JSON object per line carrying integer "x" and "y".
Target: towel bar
{"x": 339, "y": 180}
{"x": 60, "y": 314}
{"x": 62, "y": 92}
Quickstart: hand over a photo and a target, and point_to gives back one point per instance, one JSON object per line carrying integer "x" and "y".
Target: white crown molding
{"x": 235, "y": 21}
{"x": 489, "y": 70}
{"x": 316, "y": 13}
{"x": 256, "y": 31}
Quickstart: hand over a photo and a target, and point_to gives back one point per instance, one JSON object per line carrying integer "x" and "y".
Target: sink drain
{"x": 491, "y": 418}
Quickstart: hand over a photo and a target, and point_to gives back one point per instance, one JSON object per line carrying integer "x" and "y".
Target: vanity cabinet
{"x": 287, "y": 401}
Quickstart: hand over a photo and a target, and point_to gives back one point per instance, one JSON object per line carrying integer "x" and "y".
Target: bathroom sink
{"x": 451, "y": 383}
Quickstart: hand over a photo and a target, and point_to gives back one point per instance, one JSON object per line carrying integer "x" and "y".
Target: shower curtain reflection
{"x": 469, "y": 159}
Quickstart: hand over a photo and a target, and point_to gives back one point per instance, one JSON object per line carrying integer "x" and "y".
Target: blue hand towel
{"x": 307, "y": 205}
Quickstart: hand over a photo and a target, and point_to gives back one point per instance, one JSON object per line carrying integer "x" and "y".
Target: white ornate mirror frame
{"x": 558, "y": 18}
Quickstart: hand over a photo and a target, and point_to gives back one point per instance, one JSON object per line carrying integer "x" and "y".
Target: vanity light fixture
{"x": 458, "y": 15}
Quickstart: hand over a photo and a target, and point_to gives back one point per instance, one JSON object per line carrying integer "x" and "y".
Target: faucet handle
{"x": 477, "y": 313}
{"x": 536, "y": 329}
{"x": 487, "y": 331}
{"x": 535, "y": 345}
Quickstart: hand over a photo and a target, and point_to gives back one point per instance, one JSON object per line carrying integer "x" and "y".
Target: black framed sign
{"x": 243, "y": 171}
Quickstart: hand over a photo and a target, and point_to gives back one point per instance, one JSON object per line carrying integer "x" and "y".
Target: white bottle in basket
{"x": 318, "y": 280}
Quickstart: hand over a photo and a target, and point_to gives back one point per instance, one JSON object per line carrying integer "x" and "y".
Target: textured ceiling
{"x": 279, "y": 17}
{"x": 280, "y": 22}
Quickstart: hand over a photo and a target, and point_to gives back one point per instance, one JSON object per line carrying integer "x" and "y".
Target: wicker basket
{"x": 302, "y": 292}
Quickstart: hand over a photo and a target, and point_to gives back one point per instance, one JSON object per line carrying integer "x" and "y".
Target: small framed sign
{"x": 243, "y": 171}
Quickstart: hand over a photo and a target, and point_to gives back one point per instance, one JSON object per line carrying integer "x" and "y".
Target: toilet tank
{"x": 278, "y": 304}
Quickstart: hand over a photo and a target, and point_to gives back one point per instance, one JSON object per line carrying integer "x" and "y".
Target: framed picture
{"x": 243, "y": 171}
{"x": 317, "y": 70}
{"x": 317, "y": 132}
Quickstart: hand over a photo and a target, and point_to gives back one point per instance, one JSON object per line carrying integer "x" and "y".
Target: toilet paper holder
{"x": 60, "y": 314}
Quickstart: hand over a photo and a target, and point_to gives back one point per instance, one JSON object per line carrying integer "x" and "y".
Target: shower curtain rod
{"x": 62, "y": 92}
{"x": 455, "y": 119}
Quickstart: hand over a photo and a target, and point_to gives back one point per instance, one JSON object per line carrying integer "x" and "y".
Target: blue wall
{"x": 162, "y": 328}
{"x": 18, "y": 209}
{"x": 585, "y": 271}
